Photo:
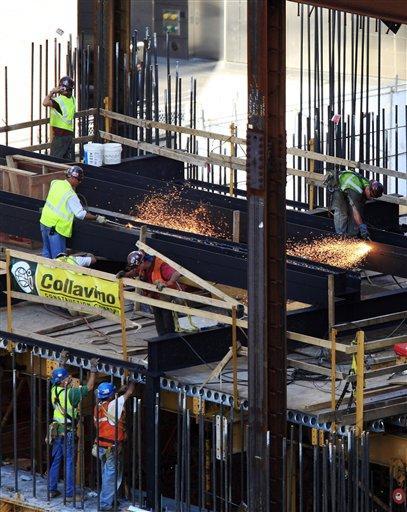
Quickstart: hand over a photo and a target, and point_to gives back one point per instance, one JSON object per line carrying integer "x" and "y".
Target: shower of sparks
{"x": 337, "y": 252}
{"x": 170, "y": 210}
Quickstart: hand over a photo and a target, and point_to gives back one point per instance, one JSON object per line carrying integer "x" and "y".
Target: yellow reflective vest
{"x": 60, "y": 408}
{"x": 55, "y": 212}
{"x": 66, "y": 119}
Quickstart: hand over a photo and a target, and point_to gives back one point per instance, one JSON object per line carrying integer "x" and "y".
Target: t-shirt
{"x": 111, "y": 410}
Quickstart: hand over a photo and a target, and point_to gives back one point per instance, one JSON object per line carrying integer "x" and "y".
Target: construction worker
{"x": 83, "y": 260}
{"x": 62, "y": 118}
{"x": 108, "y": 446}
{"x": 348, "y": 201}
{"x": 153, "y": 270}
{"x": 61, "y": 207}
{"x": 65, "y": 400}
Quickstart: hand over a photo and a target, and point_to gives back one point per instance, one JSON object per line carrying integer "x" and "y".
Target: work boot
{"x": 54, "y": 494}
{"x": 78, "y": 498}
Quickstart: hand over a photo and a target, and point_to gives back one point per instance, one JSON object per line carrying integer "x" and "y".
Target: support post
{"x": 332, "y": 335}
{"x": 234, "y": 357}
{"x": 236, "y": 226}
{"x": 266, "y": 174}
{"x": 232, "y": 154}
{"x": 8, "y": 286}
{"x": 360, "y": 380}
{"x": 123, "y": 320}
{"x": 311, "y": 187}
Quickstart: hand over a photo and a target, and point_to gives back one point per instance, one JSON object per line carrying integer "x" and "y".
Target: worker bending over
{"x": 62, "y": 118}
{"x": 65, "y": 400}
{"x": 82, "y": 260}
{"x": 62, "y": 205}
{"x": 155, "y": 271}
{"x": 348, "y": 202}
{"x": 110, "y": 427}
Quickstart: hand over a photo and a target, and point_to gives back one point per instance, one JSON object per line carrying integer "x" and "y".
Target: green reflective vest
{"x": 55, "y": 212}
{"x": 349, "y": 180}
{"x": 60, "y": 408}
{"x": 66, "y": 119}
{"x": 67, "y": 259}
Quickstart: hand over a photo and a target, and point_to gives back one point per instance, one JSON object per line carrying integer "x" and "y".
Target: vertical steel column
{"x": 266, "y": 283}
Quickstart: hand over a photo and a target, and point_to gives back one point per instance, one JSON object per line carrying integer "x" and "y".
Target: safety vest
{"x": 60, "y": 408}
{"x": 156, "y": 272}
{"x": 66, "y": 119}
{"x": 350, "y": 180}
{"x": 55, "y": 212}
{"x": 67, "y": 259}
{"x": 107, "y": 432}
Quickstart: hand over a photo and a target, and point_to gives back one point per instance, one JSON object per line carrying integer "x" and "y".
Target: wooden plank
{"x": 196, "y": 279}
{"x": 318, "y": 342}
{"x": 76, "y": 140}
{"x": 61, "y": 264}
{"x": 313, "y": 368}
{"x": 39, "y": 122}
{"x": 371, "y": 346}
{"x": 202, "y": 313}
{"x": 82, "y": 308}
{"x": 170, "y": 292}
{"x": 357, "y": 324}
{"x": 175, "y": 154}
{"x": 10, "y": 161}
{"x": 348, "y": 163}
{"x": 39, "y": 162}
{"x": 145, "y": 123}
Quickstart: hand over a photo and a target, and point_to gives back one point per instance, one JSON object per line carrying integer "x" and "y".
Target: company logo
{"x": 22, "y": 273}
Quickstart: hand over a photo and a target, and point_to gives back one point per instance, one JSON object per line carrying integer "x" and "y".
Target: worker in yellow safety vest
{"x": 62, "y": 118}
{"x": 61, "y": 207}
{"x": 65, "y": 400}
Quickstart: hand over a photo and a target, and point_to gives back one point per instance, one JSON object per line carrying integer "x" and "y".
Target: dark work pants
{"x": 63, "y": 147}
{"x": 164, "y": 321}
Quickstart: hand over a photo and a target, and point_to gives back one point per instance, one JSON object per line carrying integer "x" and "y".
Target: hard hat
{"x": 74, "y": 172}
{"x": 58, "y": 375}
{"x": 136, "y": 257}
{"x": 66, "y": 83}
{"x": 105, "y": 390}
{"x": 376, "y": 188}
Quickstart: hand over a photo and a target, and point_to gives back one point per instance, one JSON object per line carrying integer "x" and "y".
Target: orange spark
{"x": 172, "y": 211}
{"x": 337, "y": 252}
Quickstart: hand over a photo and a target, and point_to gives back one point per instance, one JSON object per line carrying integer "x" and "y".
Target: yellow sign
{"x": 68, "y": 286}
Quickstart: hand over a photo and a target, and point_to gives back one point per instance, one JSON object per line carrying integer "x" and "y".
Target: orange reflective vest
{"x": 156, "y": 273}
{"x": 107, "y": 432}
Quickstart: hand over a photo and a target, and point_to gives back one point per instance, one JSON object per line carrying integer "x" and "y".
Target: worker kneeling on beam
{"x": 109, "y": 418}
{"x": 61, "y": 207}
{"x": 348, "y": 201}
{"x": 65, "y": 400}
{"x": 155, "y": 271}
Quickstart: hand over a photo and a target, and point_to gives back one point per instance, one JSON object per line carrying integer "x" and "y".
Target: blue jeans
{"x": 107, "y": 458}
{"x": 343, "y": 216}
{"x": 52, "y": 244}
{"x": 57, "y": 456}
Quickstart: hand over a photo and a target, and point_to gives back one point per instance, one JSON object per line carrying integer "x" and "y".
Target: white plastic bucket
{"x": 112, "y": 153}
{"x": 93, "y": 154}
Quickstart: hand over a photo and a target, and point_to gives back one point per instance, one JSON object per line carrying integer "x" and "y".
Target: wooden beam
{"x": 357, "y": 324}
{"x": 318, "y": 342}
{"x": 313, "y": 368}
{"x": 372, "y": 346}
{"x": 76, "y": 140}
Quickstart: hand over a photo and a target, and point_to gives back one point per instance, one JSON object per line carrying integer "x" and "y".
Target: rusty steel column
{"x": 266, "y": 165}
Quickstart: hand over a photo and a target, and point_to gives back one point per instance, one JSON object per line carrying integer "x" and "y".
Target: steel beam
{"x": 266, "y": 174}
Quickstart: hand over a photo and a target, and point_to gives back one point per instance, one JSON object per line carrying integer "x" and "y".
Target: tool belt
{"x": 108, "y": 449}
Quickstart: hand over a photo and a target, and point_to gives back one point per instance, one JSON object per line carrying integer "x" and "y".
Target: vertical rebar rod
{"x": 81, "y": 446}
{"x": 179, "y": 453}
{"x": 156, "y": 450}
{"x": 6, "y": 100}
{"x": 116, "y": 449}
{"x": 32, "y": 95}
{"x": 46, "y": 88}
{"x": 188, "y": 462}
{"x": 33, "y": 425}
{"x": 65, "y": 472}
{"x": 140, "y": 483}
{"x": 396, "y": 144}
{"x": 133, "y": 451}
{"x": 201, "y": 458}
{"x": 1, "y": 420}
{"x": 379, "y": 62}
{"x": 48, "y": 444}
{"x": 362, "y": 63}
{"x": 72, "y": 449}
{"x": 97, "y": 451}
{"x": 15, "y": 432}
{"x": 300, "y": 471}
{"x": 214, "y": 476}
{"x": 40, "y": 96}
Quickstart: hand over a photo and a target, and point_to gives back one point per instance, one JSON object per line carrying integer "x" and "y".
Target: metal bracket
{"x": 255, "y": 161}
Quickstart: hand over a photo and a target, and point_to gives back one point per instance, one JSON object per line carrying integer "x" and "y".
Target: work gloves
{"x": 101, "y": 219}
{"x": 364, "y": 232}
{"x": 94, "y": 364}
{"x": 121, "y": 274}
{"x": 63, "y": 357}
